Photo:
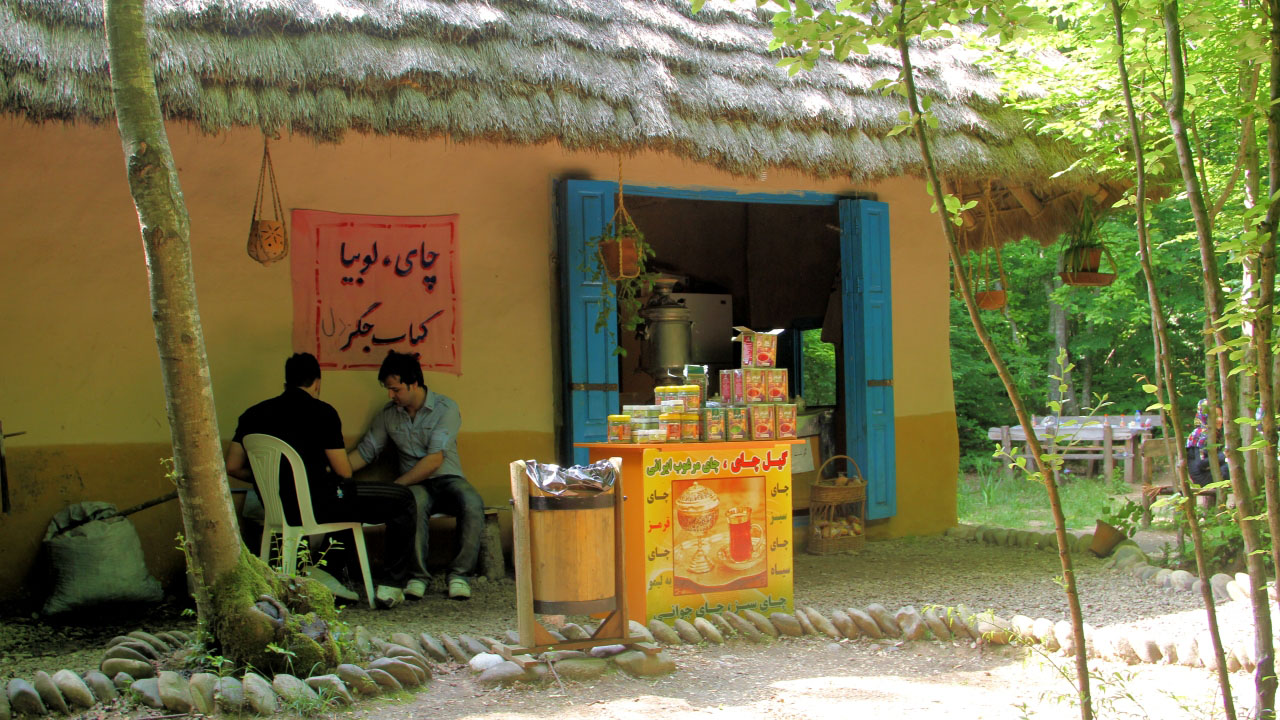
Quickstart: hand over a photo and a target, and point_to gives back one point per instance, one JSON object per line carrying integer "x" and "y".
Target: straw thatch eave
{"x": 611, "y": 75}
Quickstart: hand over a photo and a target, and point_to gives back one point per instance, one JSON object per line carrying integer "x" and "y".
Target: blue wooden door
{"x": 590, "y": 368}
{"x": 868, "y": 350}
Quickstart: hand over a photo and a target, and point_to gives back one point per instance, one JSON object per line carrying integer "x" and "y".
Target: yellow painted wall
{"x": 80, "y": 373}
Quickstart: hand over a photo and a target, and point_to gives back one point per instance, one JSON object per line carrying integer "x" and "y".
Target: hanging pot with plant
{"x": 1082, "y": 258}
{"x": 992, "y": 295}
{"x": 621, "y": 248}
{"x": 622, "y": 270}
{"x": 988, "y": 292}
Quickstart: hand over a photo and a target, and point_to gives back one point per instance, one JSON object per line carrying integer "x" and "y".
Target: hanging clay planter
{"x": 993, "y": 295}
{"x": 990, "y": 299}
{"x": 268, "y": 239}
{"x": 620, "y": 256}
{"x": 1082, "y": 265}
{"x": 1082, "y": 260}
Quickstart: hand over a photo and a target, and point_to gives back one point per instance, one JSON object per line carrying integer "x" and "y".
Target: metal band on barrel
{"x": 575, "y": 502}
{"x": 574, "y": 607}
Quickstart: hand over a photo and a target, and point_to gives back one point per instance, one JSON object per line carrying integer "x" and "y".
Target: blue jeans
{"x": 452, "y": 495}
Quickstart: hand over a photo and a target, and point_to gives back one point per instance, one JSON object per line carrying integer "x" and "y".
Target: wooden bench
{"x": 1076, "y": 437}
{"x": 492, "y": 563}
{"x": 1167, "y": 450}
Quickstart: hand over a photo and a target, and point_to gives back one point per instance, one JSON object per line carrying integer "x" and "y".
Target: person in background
{"x": 423, "y": 426}
{"x": 313, "y": 429}
{"x": 1198, "y": 446}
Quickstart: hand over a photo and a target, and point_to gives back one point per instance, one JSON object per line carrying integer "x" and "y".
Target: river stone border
{"x": 404, "y": 662}
{"x": 1127, "y": 557}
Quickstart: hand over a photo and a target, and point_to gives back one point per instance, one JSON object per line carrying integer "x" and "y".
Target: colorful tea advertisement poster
{"x": 720, "y": 538}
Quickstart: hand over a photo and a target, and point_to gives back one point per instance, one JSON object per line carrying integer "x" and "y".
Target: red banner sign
{"x": 365, "y": 284}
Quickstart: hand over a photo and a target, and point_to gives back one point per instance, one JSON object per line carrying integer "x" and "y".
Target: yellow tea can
{"x": 619, "y": 428}
{"x": 672, "y": 427}
{"x": 690, "y": 427}
{"x": 692, "y": 397}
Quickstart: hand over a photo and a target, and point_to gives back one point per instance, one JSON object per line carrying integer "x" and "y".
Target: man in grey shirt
{"x": 423, "y": 425}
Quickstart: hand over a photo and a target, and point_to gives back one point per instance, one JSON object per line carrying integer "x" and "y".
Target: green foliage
{"x": 1123, "y": 515}
{"x": 1109, "y": 329}
{"x": 1220, "y": 535}
{"x": 624, "y": 293}
{"x": 1223, "y": 542}
{"x": 819, "y": 369}
{"x": 306, "y": 706}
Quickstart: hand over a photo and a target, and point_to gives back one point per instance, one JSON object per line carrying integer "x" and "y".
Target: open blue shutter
{"x": 868, "y": 349}
{"x": 590, "y": 366}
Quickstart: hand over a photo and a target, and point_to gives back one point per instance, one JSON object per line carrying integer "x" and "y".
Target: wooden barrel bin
{"x": 571, "y": 541}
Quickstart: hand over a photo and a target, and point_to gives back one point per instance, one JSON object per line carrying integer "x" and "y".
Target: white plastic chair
{"x": 264, "y": 453}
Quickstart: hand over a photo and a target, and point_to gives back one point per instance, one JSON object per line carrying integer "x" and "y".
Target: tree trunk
{"x": 1265, "y": 680}
{"x": 1033, "y": 445}
{"x": 1264, "y": 326}
{"x": 212, "y": 538}
{"x": 1165, "y": 386}
{"x": 228, "y": 580}
{"x": 1252, "y": 172}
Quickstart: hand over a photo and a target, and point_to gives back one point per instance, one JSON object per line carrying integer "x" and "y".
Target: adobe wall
{"x": 80, "y": 374}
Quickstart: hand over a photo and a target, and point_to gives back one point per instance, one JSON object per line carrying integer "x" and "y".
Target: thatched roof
{"x": 612, "y": 75}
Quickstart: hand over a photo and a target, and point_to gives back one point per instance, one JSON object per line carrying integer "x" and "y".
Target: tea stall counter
{"x": 707, "y": 526}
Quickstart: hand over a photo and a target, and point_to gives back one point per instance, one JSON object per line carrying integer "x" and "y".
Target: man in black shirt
{"x": 312, "y": 428}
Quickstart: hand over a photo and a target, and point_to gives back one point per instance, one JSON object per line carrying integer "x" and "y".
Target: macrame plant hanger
{"x": 619, "y": 250}
{"x": 990, "y": 297}
{"x": 268, "y": 239}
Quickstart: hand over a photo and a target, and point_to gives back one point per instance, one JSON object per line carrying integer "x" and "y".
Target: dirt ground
{"x": 816, "y": 679}
{"x": 792, "y": 678}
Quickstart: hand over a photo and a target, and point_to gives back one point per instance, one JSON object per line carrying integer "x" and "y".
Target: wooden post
{"x": 1006, "y": 442}
{"x": 523, "y": 562}
{"x": 1148, "y": 471}
{"x": 1131, "y": 445}
{"x": 1108, "y": 451}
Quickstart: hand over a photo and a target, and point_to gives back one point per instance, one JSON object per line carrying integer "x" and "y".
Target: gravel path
{"x": 917, "y": 571}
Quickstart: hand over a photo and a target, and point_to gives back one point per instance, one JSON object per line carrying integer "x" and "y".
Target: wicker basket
{"x": 839, "y": 503}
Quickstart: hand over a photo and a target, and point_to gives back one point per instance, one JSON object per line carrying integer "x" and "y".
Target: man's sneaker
{"x": 389, "y": 597}
{"x": 415, "y": 589}
{"x": 459, "y": 589}
{"x": 332, "y": 585}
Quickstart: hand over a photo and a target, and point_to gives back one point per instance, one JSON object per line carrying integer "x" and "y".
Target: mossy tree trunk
{"x": 212, "y": 537}
{"x": 229, "y": 580}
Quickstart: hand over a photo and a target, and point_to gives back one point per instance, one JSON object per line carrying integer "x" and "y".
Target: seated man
{"x": 1198, "y": 461}
{"x": 312, "y": 428}
{"x": 423, "y": 425}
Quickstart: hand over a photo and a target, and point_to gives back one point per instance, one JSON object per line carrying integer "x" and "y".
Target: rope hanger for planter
{"x": 268, "y": 239}
{"x": 989, "y": 298}
{"x": 621, "y": 259}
